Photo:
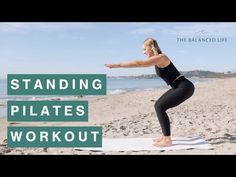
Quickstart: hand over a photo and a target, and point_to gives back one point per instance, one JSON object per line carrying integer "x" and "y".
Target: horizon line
{"x": 225, "y": 72}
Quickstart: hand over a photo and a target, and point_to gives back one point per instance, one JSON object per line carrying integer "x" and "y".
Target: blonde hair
{"x": 153, "y": 44}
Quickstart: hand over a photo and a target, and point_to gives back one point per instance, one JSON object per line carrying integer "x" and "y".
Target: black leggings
{"x": 181, "y": 90}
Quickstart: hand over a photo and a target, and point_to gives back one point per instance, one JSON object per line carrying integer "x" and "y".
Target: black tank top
{"x": 168, "y": 73}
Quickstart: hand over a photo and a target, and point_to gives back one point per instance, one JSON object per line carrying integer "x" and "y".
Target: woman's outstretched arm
{"x": 154, "y": 60}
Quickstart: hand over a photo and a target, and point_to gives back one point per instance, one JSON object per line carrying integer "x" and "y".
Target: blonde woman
{"x": 181, "y": 88}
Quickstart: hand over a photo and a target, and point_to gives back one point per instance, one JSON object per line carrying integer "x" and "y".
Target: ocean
{"x": 114, "y": 86}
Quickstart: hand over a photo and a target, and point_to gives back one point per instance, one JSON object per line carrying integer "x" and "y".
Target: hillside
{"x": 188, "y": 74}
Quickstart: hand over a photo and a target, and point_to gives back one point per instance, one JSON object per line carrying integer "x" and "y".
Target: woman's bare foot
{"x": 158, "y": 139}
{"x": 166, "y": 141}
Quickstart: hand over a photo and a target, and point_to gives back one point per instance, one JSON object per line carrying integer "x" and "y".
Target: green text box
{"x": 56, "y": 84}
{"x": 33, "y": 111}
{"x": 54, "y": 136}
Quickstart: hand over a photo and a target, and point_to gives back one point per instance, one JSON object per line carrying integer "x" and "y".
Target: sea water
{"x": 114, "y": 86}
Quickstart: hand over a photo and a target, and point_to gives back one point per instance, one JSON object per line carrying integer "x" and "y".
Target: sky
{"x": 84, "y": 48}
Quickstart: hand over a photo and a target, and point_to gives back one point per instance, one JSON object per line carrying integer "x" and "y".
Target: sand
{"x": 210, "y": 113}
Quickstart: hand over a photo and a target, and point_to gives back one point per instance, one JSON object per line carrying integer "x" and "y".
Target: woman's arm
{"x": 154, "y": 60}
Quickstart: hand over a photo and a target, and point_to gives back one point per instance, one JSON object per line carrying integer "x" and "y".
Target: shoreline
{"x": 3, "y": 103}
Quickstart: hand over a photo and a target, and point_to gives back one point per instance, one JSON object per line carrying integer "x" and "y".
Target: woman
{"x": 181, "y": 88}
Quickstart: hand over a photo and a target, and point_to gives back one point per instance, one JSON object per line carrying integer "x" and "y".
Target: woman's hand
{"x": 112, "y": 65}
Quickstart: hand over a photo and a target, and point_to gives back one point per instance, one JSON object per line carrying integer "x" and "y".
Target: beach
{"x": 210, "y": 113}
